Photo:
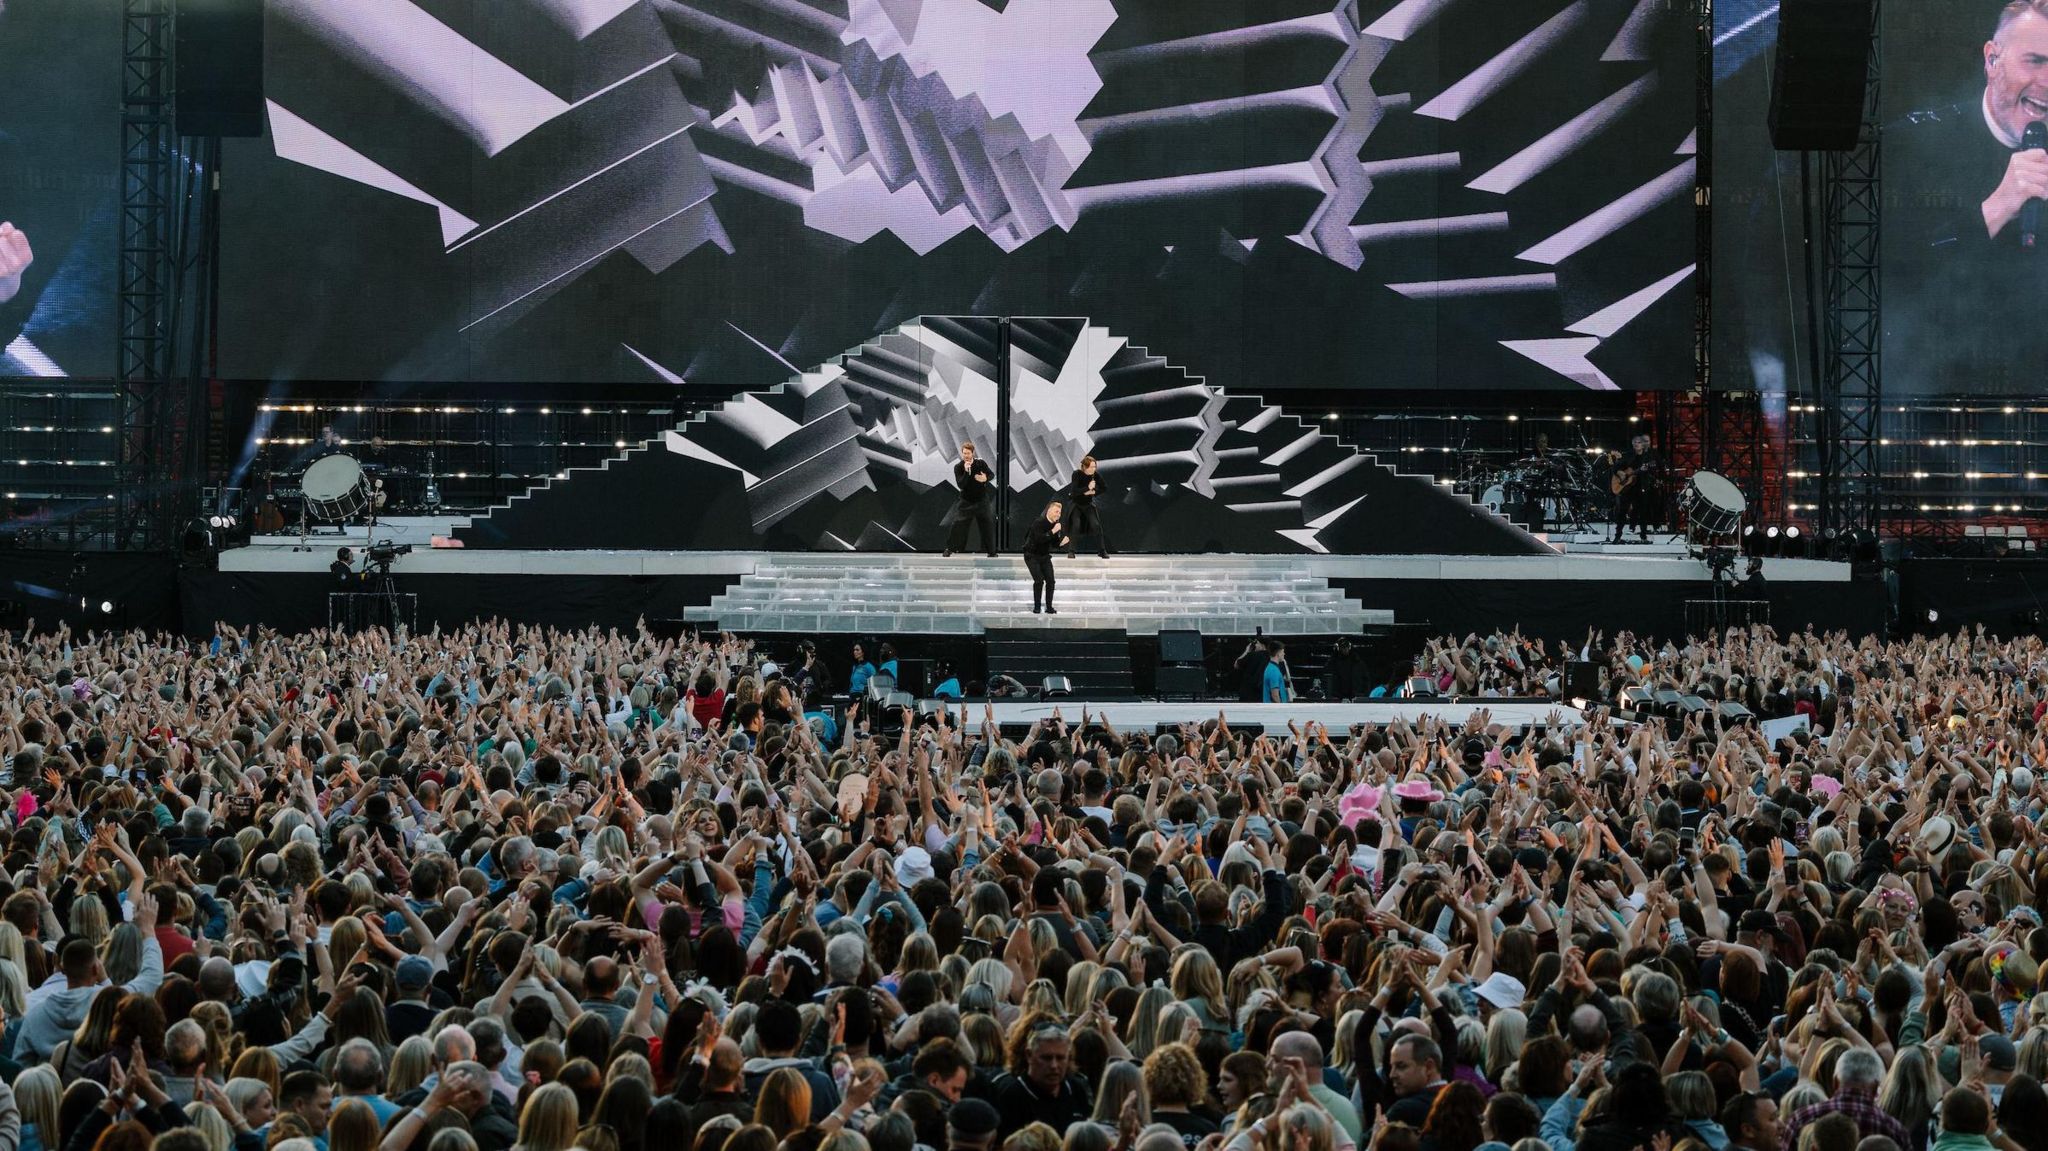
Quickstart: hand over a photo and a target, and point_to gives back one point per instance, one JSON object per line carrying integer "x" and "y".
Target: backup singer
{"x": 1083, "y": 492}
{"x": 972, "y": 477}
{"x": 1046, "y": 534}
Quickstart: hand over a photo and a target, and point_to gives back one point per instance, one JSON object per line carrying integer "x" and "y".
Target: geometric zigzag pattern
{"x": 884, "y": 422}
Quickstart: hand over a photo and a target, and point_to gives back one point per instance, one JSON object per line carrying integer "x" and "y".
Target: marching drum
{"x": 1712, "y": 505}
{"x": 335, "y": 488}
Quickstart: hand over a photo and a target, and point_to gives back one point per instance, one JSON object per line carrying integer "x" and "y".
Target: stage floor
{"x": 1145, "y": 715}
{"x": 1659, "y": 561}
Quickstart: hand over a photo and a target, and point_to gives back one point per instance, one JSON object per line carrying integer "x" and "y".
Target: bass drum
{"x": 335, "y": 488}
{"x": 1712, "y": 505}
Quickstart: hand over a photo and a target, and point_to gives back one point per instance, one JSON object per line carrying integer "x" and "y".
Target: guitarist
{"x": 1636, "y": 489}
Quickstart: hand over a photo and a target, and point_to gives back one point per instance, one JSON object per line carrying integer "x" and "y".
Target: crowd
{"x": 516, "y": 888}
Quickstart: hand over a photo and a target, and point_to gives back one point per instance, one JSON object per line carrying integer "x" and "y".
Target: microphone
{"x": 2035, "y": 139}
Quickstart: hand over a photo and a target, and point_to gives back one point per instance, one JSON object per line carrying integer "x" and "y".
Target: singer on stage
{"x": 1085, "y": 492}
{"x": 1965, "y": 237}
{"x": 1046, "y": 534}
{"x": 973, "y": 478}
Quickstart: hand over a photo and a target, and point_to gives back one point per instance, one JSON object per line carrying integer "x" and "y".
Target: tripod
{"x": 383, "y": 593}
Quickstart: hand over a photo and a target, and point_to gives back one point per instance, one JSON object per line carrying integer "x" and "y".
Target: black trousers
{"x": 972, "y": 513}
{"x": 1637, "y": 507}
{"x": 1088, "y": 518}
{"x": 1042, "y": 581}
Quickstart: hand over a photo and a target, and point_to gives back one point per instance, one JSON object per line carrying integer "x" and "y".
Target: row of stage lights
{"x": 359, "y": 409}
{"x": 302, "y": 441}
{"x": 1511, "y": 417}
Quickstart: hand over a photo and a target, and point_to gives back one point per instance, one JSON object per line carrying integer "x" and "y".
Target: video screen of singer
{"x": 1966, "y": 287}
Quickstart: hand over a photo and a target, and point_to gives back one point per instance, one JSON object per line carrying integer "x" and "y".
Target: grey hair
{"x": 1859, "y": 1067}
{"x": 845, "y": 955}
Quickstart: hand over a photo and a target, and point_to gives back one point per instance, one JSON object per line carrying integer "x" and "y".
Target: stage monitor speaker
{"x": 1186, "y": 682}
{"x": 1822, "y": 69}
{"x": 1180, "y": 646}
{"x": 1581, "y": 679}
{"x": 914, "y": 675}
{"x": 218, "y": 74}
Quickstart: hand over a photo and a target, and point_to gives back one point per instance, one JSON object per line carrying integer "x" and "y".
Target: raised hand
{"x": 15, "y": 257}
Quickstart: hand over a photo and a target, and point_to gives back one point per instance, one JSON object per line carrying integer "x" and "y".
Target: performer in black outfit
{"x": 1635, "y": 504}
{"x": 1961, "y": 174}
{"x": 973, "y": 477}
{"x": 1085, "y": 489}
{"x": 1046, "y": 534}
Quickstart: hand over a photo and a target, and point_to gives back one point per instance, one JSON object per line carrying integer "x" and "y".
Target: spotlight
{"x": 1792, "y": 533}
{"x": 106, "y": 607}
{"x": 1771, "y": 532}
{"x": 1933, "y": 616}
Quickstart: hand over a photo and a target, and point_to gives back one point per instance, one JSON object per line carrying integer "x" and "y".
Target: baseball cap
{"x": 1998, "y": 1052}
{"x": 1757, "y": 920}
{"x": 413, "y": 971}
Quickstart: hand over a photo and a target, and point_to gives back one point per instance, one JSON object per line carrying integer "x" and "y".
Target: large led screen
{"x": 60, "y": 147}
{"x": 1403, "y": 194}
{"x": 1965, "y": 258}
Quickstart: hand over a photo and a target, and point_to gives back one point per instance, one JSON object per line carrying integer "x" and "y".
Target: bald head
{"x": 1587, "y": 1029}
{"x": 1298, "y": 1045}
{"x": 601, "y": 977}
{"x": 726, "y": 1061}
{"x": 452, "y": 1045}
{"x": 217, "y": 980}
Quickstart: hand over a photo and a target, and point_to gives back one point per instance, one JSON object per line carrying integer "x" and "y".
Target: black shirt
{"x": 1970, "y": 298}
{"x": 1082, "y": 492}
{"x": 973, "y": 481}
{"x": 1043, "y": 537}
{"x": 344, "y": 576}
{"x": 1019, "y": 1104}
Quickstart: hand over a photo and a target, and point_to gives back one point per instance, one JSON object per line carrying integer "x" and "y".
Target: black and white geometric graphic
{"x": 1342, "y": 193}
{"x": 857, "y": 454}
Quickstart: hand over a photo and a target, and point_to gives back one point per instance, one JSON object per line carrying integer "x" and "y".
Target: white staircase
{"x": 867, "y": 593}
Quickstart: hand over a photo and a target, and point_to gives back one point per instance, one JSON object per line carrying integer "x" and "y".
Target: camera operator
{"x": 346, "y": 578}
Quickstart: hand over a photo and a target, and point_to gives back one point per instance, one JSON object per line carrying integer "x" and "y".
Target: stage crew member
{"x": 973, "y": 478}
{"x": 1083, "y": 493}
{"x": 1046, "y": 534}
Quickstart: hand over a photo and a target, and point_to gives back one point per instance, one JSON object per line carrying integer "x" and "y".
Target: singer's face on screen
{"x": 2016, "y": 74}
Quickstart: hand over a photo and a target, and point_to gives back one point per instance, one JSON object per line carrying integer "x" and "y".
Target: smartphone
{"x": 1461, "y": 856}
{"x": 1524, "y": 835}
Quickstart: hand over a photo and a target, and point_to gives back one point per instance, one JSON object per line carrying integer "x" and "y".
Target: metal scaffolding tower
{"x": 167, "y": 236}
{"x": 1852, "y": 370}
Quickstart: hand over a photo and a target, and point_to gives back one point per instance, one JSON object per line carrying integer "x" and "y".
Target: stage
{"x": 1148, "y": 715}
{"x": 875, "y": 594}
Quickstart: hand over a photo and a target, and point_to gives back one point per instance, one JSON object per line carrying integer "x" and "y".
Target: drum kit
{"x": 1570, "y": 491}
{"x": 338, "y": 490}
{"x": 1556, "y": 490}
